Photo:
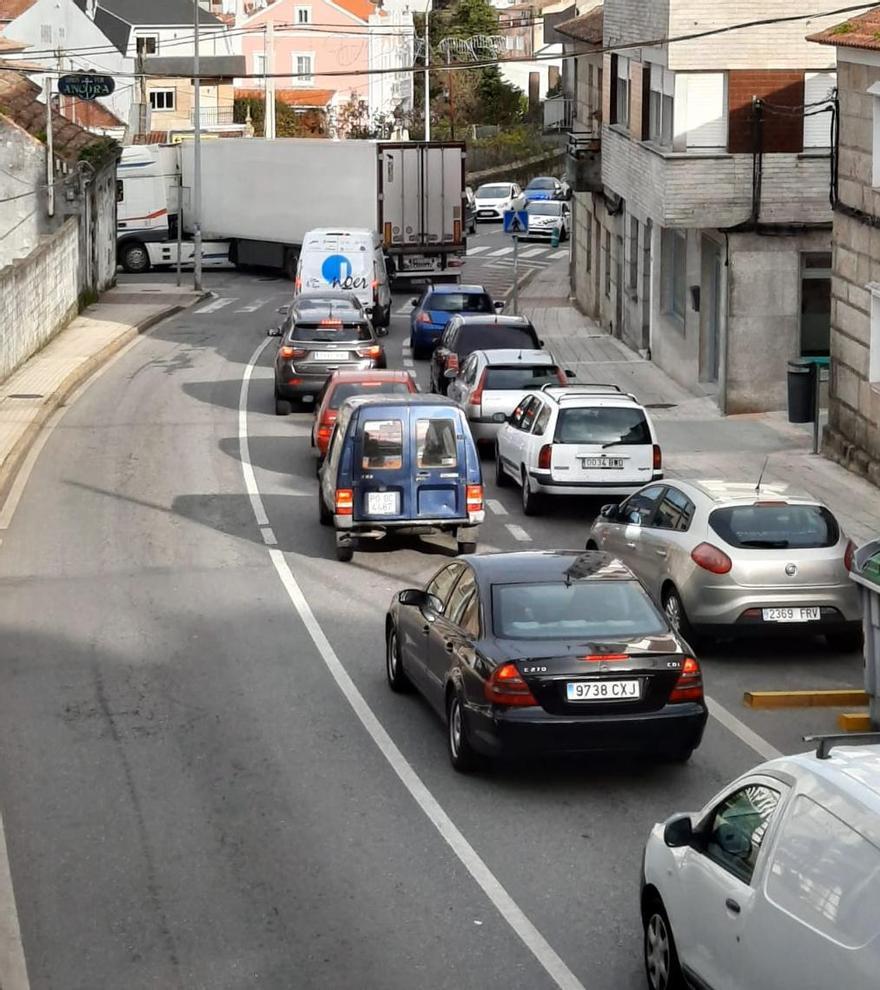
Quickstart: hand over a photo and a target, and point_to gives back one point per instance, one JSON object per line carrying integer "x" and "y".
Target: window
{"x": 442, "y": 582}
{"x": 776, "y": 527}
{"x": 46, "y": 34}
{"x": 435, "y": 443}
{"x": 520, "y": 377}
{"x": 632, "y": 281}
{"x": 461, "y": 597}
{"x": 737, "y": 829}
{"x": 675, "y": 511}
{"x": 542, "y": 420}
{"x": 303, "y": 67}
{"x": 603, "y": 424}
{"x": 673, "y": 265}
{"x": 303, "y": 15}
{"x": 259, "y": 64}
{"x": 661, "y": 106}
{"x": 639, "y": 508}
{"x": 120, "y": 190}
{"x": 818, "y": 87}
{"x": 147, "y": 44}
{"x": 815, "y": 304}
{"x": 823, "y": 873}
{"x": 470, "y": 617}
{"x": 162, "y": 99}
{"x": 621, "y": 91}
{"x": 608, "y": 263}
{"x": 382, "y": 445}
{"x": 529, "y": 414}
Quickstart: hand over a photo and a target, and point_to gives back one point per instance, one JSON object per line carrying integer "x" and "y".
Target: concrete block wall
{"x": 21, "y": 213}
{"x": 38, "y": 296}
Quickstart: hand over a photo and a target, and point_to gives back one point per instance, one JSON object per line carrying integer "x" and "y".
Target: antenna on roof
{"x": 761, "y": 475}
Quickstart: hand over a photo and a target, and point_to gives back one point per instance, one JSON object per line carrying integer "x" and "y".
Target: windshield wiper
{"x": 615, "y": 443}
{"x": 765, "y": 544}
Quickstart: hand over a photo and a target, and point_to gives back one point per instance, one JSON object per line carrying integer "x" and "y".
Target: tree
{"x": 502, "y": 102}
{"x": 288, "y": 122}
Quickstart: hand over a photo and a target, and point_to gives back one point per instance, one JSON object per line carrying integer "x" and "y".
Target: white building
{"x": 391, "y": 46}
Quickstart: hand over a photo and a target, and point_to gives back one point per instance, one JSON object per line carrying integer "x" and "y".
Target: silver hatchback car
{"x": 725, "y": 558}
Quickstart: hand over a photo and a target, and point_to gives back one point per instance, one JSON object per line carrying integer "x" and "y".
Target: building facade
{"x": 853, "y": 433}
{"x": 710, "y": 240}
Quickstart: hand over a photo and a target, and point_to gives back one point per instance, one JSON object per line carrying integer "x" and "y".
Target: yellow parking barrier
{"x": 854, "y": 722}
{"x": 836, "y": 698}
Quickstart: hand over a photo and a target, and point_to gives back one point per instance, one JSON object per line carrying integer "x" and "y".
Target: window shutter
{"x": 609, "y": 88}
{"x": 636, "y": 93}
{"x": 817, "y": 127}
{"x": 706, "y": 112}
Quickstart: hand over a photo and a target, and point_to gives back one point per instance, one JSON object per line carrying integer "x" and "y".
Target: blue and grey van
{"x": 405, "y": 464}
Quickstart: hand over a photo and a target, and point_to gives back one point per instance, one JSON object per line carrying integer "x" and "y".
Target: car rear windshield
{"x": 582, "y": 610}
{"x": 545, "y": 209}
{"x": 435, "y": 443}
{"x": 603, "y": 424}
{"x": 775, "y": 527}
{"x": 331, "y": 332}
{"x": 382, "y": 445}
{"x": 520, "y": 378}
{"x": 345, "y": 390}
{"x": 493, "y": 192}
{"x": 541, "y": 184}
{"x": 493, "y": 336}
{"x": 459, "y": 302}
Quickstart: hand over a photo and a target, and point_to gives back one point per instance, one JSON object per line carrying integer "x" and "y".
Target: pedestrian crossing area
{"x": 240, "y": 306}
{"x": 533, "y": 255}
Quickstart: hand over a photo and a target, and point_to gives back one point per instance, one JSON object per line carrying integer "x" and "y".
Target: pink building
{"x": 311, "y": 37}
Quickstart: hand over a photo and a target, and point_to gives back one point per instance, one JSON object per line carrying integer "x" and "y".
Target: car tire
{"x": 135, "y": 259}
{"x": 676, "y": 616}
{"x": 344, "y": 552}
{"x": 282, "y": 407}
{"x": 466, "y": 546}
{"x": 462, "y": 755}
{"x": 661, "y": 957}
{"x": 502, "y": 479}
{"x": 396, "y": 675}
{"x": 531, "y": 501}
{"x": 325, "y": 516}
{"x": 591, "y": 545}
{"x": 845, "y": 641}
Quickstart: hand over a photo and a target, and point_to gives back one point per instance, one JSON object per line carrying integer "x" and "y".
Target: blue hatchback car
{"x": 401, "y": 464}
{"x": 437, "y": 305}
{"x": 545, "y": 187}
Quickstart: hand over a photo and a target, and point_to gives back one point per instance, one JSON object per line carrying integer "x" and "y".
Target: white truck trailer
{"x": 259, "y": 198}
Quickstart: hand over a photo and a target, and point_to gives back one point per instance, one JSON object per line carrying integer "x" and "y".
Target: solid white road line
{"x": 518, "y": 533}
{"x": 742, "y": 731}
{"x": 540, "y": 948}
{"x": 13, "y": 971}
{"x": 252, "y": 307}
{"x": 496, "y": 507}
{"x": 500, "y": 252}
{"x": 533, "y": 252}
{"x": 558, "y": 254}
{"x": 212, "y": 307}
{"x": 479, "y": 249}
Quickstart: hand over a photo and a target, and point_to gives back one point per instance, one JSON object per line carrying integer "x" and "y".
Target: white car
{"x": 493, "y": 198}
{"x": 775, "y": 883}
{"x": 491, "y": 384}
{"x": 577, "y": 440}
{"x": 547, "y": 216}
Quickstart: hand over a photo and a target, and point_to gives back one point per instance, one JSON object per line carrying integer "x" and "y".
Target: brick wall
{"x": 853, "y": 434}
{"x": 778, "y": 88}
{"x": 38, "y": 296}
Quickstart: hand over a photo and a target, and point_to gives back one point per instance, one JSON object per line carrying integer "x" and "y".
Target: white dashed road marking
{"x": 533, "y": 252}
{"x": 404, "y": 310}
{"x": 478, "y": 250}
{"x": 500, "y": 252}
{"x": 496, "y": 507}
{"x": 559, "y": 254}
{"x": 518, "y": 533}
{"x": 212, "y": 307}
{"x": 408, "y": 362}
{"x": 252, "y": 307}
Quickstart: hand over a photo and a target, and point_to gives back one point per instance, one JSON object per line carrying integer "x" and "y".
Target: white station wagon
{"x": 577, "y": 440}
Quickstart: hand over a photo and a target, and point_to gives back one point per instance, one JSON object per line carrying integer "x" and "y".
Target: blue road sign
{"x": 516, "y": 221}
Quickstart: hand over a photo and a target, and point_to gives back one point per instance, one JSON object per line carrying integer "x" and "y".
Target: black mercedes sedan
{"x": 554, "y": 651}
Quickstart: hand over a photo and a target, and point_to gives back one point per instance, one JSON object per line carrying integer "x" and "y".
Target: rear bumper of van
{"x": 468, "y": 528}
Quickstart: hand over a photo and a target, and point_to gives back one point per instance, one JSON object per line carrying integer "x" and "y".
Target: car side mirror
{"x": 273, "y": 332}
{"x": 499, "y": 305}
{"x": 414, "y": 302}
{"x": 381, "y": 331}
{"x": 608, "y": 511}
{"x": 420, "y": 599}
{"x": 284, "y": 310}
{"x": 633, "y": 518}
{"x": 678, "y": 831}
{"x": 569, "y": 373}
{"x": 500, "y": 418}
{"x": 450, "y": 373}
{"x": 540, "y": 343}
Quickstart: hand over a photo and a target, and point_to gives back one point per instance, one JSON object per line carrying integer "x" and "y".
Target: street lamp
{"x": 197, "y": 158}
{"x": 427, "y": 73}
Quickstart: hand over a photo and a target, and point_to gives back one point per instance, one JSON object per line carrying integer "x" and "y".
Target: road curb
{"x": 16, "y": 456}
{"x": 521, "y": 284}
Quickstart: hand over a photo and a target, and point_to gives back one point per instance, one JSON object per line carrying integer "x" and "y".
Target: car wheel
{"x": 501, "y": 478}
{"x": 135, "y": 259}
{"x": 846, "y": 641}
{"x": 397, "y": 679}
{"x": 466, "y": 546}
{"x": 661, "y": 959}
{"x": 461, "y": 754}
{"x": 676, "y": 615}
{"x": 591, "y": 545}
{"x": 344, "y": 552}
{"x": 325, "y": 516}
{"x": 531, "y": 501}
{"x": 282, "y": 407}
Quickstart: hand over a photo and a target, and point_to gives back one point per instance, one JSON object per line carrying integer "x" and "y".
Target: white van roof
{"x": 323, "y": 236}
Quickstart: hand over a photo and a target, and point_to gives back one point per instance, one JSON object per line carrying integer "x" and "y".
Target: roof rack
{"x": 827, "y": 743}
{"x": 587, "y": 389}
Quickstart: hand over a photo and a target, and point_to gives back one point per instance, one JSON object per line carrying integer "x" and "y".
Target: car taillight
{"x": 848, "y": 555}
{"x": 474, "y": 498}
{"x": 689, "y": 686}
{"x": 476, "y": 398}
{"x": 505, "y": 686}
{"x": 711, "y": 558}
{"x": 289, "y": 353}
{"x": 452, "y": 362}
{"x": 545, "y": 457}
{"x": 373, "y": 351}
{"x": 658, "y": 457}
{"x": 344, "y": 501}
{"x": 423, "y": 317}
{"x": 324, "y": 431}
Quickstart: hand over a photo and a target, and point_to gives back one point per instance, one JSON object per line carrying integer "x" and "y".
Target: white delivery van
{"x": 350, "y": 260}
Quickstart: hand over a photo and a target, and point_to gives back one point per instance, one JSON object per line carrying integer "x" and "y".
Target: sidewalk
{"x": 32, "y": 393}
{"x": 698, "y": 442}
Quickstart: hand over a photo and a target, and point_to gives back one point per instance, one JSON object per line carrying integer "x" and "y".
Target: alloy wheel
{"x": 673, "y": 611}
{"x": 455, "y": 727}
{"x": 657, "y": 952}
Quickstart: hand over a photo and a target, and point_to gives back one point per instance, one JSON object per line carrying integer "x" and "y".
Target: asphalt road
{"x": 190, "y": 799}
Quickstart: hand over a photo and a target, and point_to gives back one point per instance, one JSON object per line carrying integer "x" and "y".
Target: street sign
{"x": 516, "y": 221}
{"x": 86, "y": 85}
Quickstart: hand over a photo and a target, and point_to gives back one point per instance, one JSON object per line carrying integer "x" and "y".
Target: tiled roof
{"x": 586, "y": 28}
{"x": 11, "y": 45}
{"x": 360, "y": 8}
{"x": 19, "y": 102}
{"x": 304, "y": 98}
{"x": 10, "y": 9}
{"x": 858, "y": 32}
{"x": 90, "y": 114}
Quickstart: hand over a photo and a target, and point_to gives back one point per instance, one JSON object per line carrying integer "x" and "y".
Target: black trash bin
{"x": 801, "y": 390}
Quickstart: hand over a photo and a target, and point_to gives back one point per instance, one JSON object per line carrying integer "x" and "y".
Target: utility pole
{"x": 197, "y": 157}
{"x": 142, "y": 85}
{"x": 427, "y": 71}
{"x": 269, "y": 111}
{"x": 50, "y": 153}
{"x": 451, "y": 94}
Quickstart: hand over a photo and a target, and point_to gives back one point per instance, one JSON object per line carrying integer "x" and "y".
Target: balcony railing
{"x": 213, "y": 116}
{"x": 584, "y": 161}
